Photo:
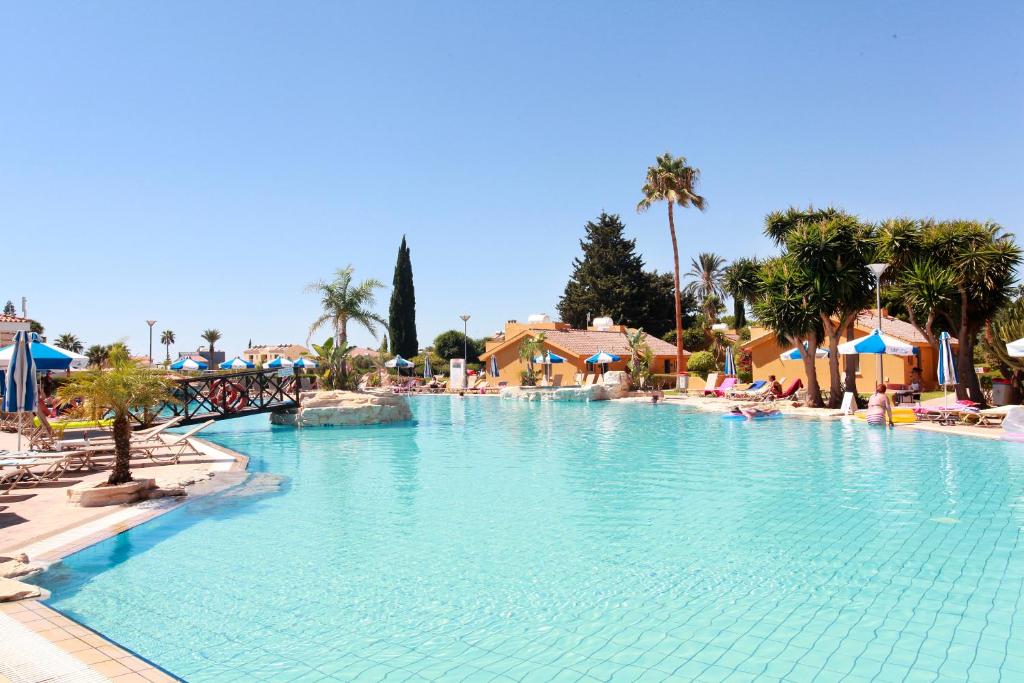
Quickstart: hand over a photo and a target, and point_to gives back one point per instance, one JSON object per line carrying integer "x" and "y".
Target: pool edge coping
{"x": 54, "y": 619}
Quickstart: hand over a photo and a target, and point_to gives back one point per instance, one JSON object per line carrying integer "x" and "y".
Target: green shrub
{"x": 701, "y": 363}
{"x": 695, "y": 339}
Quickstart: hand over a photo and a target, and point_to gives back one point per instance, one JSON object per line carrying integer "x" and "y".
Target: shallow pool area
{"x": 504, "y": 540}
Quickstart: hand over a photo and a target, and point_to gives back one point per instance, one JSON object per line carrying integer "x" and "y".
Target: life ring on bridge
{"x": 229, "y": 395}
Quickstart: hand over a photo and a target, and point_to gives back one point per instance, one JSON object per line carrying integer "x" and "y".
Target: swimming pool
{"x": 553, "y": 541}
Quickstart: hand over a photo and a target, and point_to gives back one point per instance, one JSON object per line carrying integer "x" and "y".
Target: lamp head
{"x": 878, "y": 269}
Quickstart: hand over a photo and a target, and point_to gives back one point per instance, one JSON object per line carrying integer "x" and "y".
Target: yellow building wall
{"x": 895, "y": 369}
{"x": 510, "y": 367}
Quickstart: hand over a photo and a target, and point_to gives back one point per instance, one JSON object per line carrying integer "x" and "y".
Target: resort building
{"x": 574, "y": 345}
{"x": 264, "y": 353}
{"x": 764, "y": 349}
{"x": 11, "y": 325}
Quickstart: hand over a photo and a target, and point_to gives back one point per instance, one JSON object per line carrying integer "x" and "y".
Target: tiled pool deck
{"x": 39, "y": 644}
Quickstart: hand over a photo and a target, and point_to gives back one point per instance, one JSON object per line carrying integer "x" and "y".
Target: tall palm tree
{"x": 672, "y": 181}
{"x": 344, "y": 302}
{"x": 167, "y": 338}
{"x": 97, "y": 355}
{"x": 740, "y": 282}
{"x": 211, "y": 336}
{"x": 69, "y": 342}
{"x": 126, "y": 387}
{"x": 706, "y": 286}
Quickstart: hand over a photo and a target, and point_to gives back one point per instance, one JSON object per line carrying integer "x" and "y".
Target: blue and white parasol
{"x": 187, "y": 363}
{"x": 304, "y": 362}
{"x": 20, "y": 380}
{"x": 492, "y": 366}
{"x": 946, "y": 370}
{"x": 876, "y": 343}
{"x": 730, "y": 363}
{"x": 46, "y": 356}
{"x": 601, "y": 358}
{"x": 281, "y": 362}
{"x": 796, "y": 353}
{"x": 235, "y": 363}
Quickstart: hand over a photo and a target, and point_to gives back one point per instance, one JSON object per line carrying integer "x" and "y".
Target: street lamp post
{"x": 465, "y": 349}
{"x": 151, "y": 323}
{"x": 878, "y": 269}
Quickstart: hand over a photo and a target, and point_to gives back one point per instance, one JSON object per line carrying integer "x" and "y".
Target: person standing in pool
{"x": 879, "y": 407}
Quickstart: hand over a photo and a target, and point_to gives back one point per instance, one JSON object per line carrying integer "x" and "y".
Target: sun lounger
{"x": 33, "y": 471}
{"x": 790, "y": 391}
{"x": 176, "y": 447}
{"x": 139, "y": 437}
{"x": 753, "y": 389}
{"x": 710, "y": 384}
{"x": 993, "y": 417}
{"x": 724, "y": 387}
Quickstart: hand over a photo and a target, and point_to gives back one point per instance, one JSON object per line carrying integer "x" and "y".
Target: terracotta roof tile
{"x": 587, "y": 342}
{"x": 13, "y": 319}
{"x": 868, "y": 320}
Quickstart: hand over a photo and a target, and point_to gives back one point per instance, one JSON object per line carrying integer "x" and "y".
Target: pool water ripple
{"x": 494, "y": 540}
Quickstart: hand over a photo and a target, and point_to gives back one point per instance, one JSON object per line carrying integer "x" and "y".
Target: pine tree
{"x": 610, "y": 280}
{"x": 9, "y": 308}
{"x": 402, "y": 313}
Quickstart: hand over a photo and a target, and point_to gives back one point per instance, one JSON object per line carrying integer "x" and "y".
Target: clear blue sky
{"x": 199, "y": 162}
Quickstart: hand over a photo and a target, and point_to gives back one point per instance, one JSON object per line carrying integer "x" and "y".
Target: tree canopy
{"x": 610, "y": 280}
{"x": 402, "y": 311}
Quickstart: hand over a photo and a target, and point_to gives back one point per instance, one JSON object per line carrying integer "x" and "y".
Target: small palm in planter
{"x": 124, "y": 387}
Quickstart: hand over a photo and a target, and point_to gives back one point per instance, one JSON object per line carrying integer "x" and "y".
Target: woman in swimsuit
{"x": 879, "y": 407}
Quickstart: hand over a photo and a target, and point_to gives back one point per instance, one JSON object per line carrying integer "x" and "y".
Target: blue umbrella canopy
{"x": 305, "y": 362}
{"x": 796, "y": 353}
{"x": 281, "y": 362}
{"x": 548, "y": 358}
{"x": 878, "y": 343}
{"x": 46, "y": 356}
{"x": 399, "y": 362}
{"x": 188, "y": 364}
{"x": 730, "y": 363}
{"x": 235, "y": 363}
{"x": 601, "y": 357}
{"x": 492, "y": 366}
{"x": 427, "y": 370}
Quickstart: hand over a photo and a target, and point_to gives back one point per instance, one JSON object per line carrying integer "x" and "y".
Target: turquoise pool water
{"x": 495, "y": 540}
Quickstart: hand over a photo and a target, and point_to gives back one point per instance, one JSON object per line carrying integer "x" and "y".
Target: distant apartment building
{"x": 264, "y": 353}
{"x": 11, "y": 325}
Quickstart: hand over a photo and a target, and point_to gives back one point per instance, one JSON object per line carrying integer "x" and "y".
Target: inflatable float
{"x": 899, "y": 415}
{"x": 735, "y": 416}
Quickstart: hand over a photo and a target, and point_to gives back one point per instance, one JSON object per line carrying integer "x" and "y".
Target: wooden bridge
{"x": 226, "y": 395}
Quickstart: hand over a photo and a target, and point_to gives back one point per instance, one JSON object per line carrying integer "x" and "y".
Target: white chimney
{"x": 603, "y": 324}
{"x": 538, "y": 318}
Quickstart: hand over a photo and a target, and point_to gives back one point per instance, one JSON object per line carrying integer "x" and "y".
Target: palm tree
{"x": 344, "y": 302}
{"x": 97, "y": 355}
{"x": 211, "y": 336}
{"x": 707, "y": 274}
{"x": 167, "y": 338}
{"x": 740, "y": 282}
{"x": 671, "y": 181}
{"x": 69, "y": 342}
{"x": 530, "y": 348}
{"x": 785, "y": 305}
{"x": 127, "y": 386}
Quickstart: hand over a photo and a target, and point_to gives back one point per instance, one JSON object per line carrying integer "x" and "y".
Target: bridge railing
{"x": 232, "y": 394}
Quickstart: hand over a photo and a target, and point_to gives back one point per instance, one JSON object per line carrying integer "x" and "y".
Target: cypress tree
{"x": 610, "y": 280}
{"x": 402, "y": 313}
